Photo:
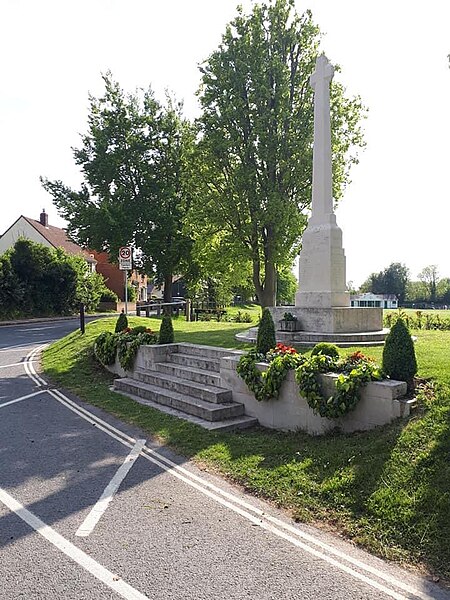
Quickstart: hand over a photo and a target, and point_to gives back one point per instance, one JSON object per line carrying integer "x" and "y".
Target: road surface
{"x": 90, "y": 508}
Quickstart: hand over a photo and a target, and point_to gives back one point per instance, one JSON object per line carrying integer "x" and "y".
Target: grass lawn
{"x": 388, "y": 489}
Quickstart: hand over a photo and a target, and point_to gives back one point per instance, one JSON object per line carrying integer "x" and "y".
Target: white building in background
{"x": 368, "y": 299}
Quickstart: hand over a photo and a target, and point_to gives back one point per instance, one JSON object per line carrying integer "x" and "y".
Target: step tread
{"x": 187, "y": 371}
{"x": 210, "y": 388}
{"x": 204, "y": 391}
{"x": 209, "y": 407}
{"x": 241, "y": 422}
{"x": 193, "y": 358}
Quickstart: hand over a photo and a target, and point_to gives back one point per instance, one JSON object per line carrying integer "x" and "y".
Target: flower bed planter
{"x": 380, "y": 403}
{"x": 290, "y": 325}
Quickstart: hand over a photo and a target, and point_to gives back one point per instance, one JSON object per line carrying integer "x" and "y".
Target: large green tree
{"x": 36, "y": 280}
{"x": 135, "y": 160}
{"x": 392, "y": 280}
{"x": 257, "y": 136}
{"x": 429, "y": 278}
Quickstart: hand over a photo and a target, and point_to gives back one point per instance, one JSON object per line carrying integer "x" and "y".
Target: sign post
{"x": 125, "y": 265}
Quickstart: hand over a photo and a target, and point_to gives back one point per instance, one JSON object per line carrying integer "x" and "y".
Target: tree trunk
{"x": 266, "y": 293}
{"x": 167, "y": 292}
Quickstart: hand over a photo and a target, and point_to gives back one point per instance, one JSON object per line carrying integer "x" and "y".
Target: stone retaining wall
{"x": 380, "y": 403}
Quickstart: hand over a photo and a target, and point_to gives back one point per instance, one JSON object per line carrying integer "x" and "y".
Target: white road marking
{"x": 29, "y": 367}
{"x": 265, "y": 521}
{"x": 22, "y": 398}
{"x": 81, "y": 558}
{"x": 99, "y": 508}
{"x": 190, "y": 478}
{"x": 19, "y": 347}
{"x": 15, "y": 364}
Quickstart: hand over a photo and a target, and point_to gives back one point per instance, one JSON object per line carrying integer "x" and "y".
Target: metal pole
{"x": 81, "y": 317}
{"x": 126, "y": 292}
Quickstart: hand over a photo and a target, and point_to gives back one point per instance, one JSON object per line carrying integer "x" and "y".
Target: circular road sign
{"x": 125, "y": 252}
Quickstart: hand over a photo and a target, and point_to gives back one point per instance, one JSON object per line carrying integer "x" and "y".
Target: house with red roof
{"x": 43, "y": 233}
{"x": 55, "y": 237}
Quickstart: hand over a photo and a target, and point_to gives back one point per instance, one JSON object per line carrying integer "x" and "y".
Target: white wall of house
{"x": 374, "y": 300}
{"x": 21, "y": 229}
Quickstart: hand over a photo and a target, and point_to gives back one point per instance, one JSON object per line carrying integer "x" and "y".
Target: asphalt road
{"x": 88, "y": 510}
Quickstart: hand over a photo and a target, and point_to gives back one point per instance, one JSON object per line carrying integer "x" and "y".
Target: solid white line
{"x": 99, "y": 508}
{"x": 262, "y": 517}
{"x": 14, "y": 364}
{"x": 29, "y": 367}
{"x": 81, "y": 558}
{"x": 22, "y": 398}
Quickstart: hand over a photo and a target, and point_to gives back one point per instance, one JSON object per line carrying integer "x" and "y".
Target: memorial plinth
{"x": 322, "y": 303}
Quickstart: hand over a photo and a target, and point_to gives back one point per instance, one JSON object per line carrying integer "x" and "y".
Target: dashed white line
{"x": 114, "y": 582}
{"x": 99, "y": 508}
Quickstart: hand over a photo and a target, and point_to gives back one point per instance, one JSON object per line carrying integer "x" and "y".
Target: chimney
{"x": 43, "y": 218}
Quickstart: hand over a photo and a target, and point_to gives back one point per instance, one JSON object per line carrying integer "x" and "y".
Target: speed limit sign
{"x": 125, "y": 258}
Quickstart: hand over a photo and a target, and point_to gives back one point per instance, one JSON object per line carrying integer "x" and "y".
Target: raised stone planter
{"x": 292, "y": 325}
{"x": 380, "y": 404}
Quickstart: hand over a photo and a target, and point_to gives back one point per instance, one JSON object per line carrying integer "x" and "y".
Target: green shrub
{"x": 128, "y": 344}
{"x": 105, "y": 348}
{"x": 121, "y": 323}
{"x": 138, "y": 329}
{"x": 108, "y": 296}
{"x": 242, "y": 317}
{"x": 324, "y": 348}
{"x": 166, "y": 335}
{"x": 266, "y": 333}
{"x": 399, "y": 356}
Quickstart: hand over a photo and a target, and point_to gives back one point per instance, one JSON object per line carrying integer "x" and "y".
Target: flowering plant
{"x": 280, "y": 350}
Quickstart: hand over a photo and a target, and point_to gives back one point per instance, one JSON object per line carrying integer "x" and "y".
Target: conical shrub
{"x": 166, "y": 334}
{"x": 266, "y": 333}
{"x": 121, "y": 323}
{"x": 399, "y": 355}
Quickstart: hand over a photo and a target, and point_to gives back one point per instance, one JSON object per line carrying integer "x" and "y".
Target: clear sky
{"x": 391, "y": 52}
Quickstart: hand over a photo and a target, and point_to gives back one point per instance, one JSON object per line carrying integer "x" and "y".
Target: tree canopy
{"x": 257, "y": 136}
{"x": 36, "y": 280}
{"x": 392, "y": 280}
{"x": 135, "y": 162}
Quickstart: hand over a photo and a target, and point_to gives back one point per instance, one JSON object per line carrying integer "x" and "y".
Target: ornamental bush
{"x": 266, "y": 333}
{"x": 324, "y": 348}
{"x": 105, "y": 348}
{"x": 121, "y": 323}
{"x": 166, "y": 334}
{"x": 399, "y": 356}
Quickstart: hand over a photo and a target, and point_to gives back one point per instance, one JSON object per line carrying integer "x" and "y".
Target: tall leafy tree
{"x": 257, "y": 136}
{"x": 429, "y": 277}
{"x": 392, "y": 280}
{"x": 135, "y": 162}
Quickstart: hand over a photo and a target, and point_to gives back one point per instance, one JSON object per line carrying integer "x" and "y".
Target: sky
{"x": 393, "y": 53}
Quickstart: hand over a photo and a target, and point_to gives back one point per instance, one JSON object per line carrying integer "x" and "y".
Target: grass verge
{"x": 388, "y": 489}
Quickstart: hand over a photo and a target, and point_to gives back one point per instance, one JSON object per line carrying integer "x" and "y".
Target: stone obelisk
{"x": 322, "y": 281}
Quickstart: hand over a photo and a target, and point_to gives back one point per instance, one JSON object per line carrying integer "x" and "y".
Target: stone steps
{"x": 241, "y": 422}
{"x": 189, "y": 373}
{"x": 308, "y": 339}
{"x": 188, "y": 386}
{"x": 197, "y": 362}
{"x": 209, "y": 393}
{"x": 187, "y": 404}
{"x": 205, "y": 351}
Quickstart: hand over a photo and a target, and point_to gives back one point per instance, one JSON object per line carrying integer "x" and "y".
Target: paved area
{"x": 91, "y": 509}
